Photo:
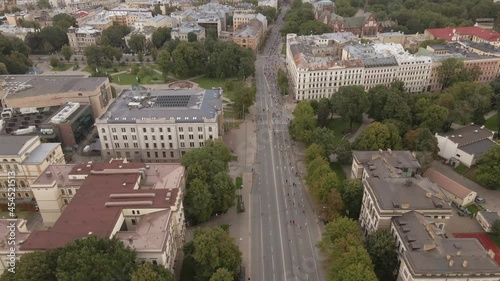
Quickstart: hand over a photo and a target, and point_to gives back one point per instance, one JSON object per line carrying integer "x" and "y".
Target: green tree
{"x": 378, "y": 136}
{"x": 313, "y": 27}
{"x": 352, "y": 197}
{"x": 453, "y": 71}
{"x": 212, "y": 34}
{"x": 64, "y": 21}
{"x": 189, "y": 59}
{"x": 282, "y": 81}
{"x": 397, "y": 108}
{"x": 223, "y": 192}
{"x": 303, "y": 122}
{"x": 160, "y": 36}
{"x": 333, "y": 205}
{"x": 214, "y": 249}
{"x": 267, "y": 11}
{"x": 495, "y": 228}
{"x": 140, "y": 57}
{"x": 3, "y": 68}
{"x": 314, "y": 151}
{"x": 343, "y": 150}
{"x": 198, "y": 202}
{"x": 350, "y": 103}
{"x": 54, "y": 38}
{"x": 43, "y": 4}
{"x": 192, "y": 37}
{"x": 95, "y": 258}
{"x": 94, "y": 55}
{"x": 488, "y": 168}
{"x": 222, "y": 274}
{"x": 324, "y": 112}
{"x": 113, "y": 35}
{"x": 378, "y": 97}
{"x": 54, "y": 61}
{"x": 323, "y": 136}
{"x": 421, "y": 139}
{"x": 66, "y": 52}
{"x": 245, "y": 97}
{"x": 381, "y": 247}
{"x": 137, "y": 43}
{"x": 34, "y": 266}
{"x": 164, "y": 62}
{"x": 149, "y": 272}
{"x": 321, "y": 179}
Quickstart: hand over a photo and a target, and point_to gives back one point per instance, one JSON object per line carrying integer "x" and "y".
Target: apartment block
{"x": 384, "y": 164}
{"x": 160, "y": 125}
{"x": 466, "y": 33}
{"x": 22, "y": 160}
{"x": 249, "y": 35}
{"x": 138, "y": 203}
{"x": 187, "y": 27}
{"x": 315, "y": 67}
{"x": 28, "y": 91}
{"x": 426, "y": 254}
{"x": 82, "y": 37}
{"x": 241, "y": 18}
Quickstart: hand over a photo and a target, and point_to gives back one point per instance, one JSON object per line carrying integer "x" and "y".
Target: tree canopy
{"x": 488, "y": 168}
{"x": 453, "y": 70}
{"x": 303, "y": 122}
{"x": 379, "y": 136}
{"x": 352, "y": 197}
{"x": 14, "y": 55}
{"x": 113, "y": 35}
{"x": 351, "y": 102}
{"x": 300, "y": 19}
{"x": 381, "y": 247}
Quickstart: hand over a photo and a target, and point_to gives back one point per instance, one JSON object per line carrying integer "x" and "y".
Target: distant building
{"x": 456, "y": 192}
{"x": 465, "y": 145}
{"x": 362, "y": 24}
{"x": 268, "y": 3}
{"x": 249, "y": 35}
{"x": 425, "y": 254}
{"x": 26, "y": 157}
{"x": 138, "y": 203}
{"x": 14, "y": 31}
{"x": 80, "y": 38}
{"x": 160, "y": 125}
{"x": 242, "y": 18}
{"x": 185, "y": 28}
{"x": 468, "y": 33}
{"x": 486, "y": 219}
{"x": 27, "y": 91}
{"x": 15, "y": 18}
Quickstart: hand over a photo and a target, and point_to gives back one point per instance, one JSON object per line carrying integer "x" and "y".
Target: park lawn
{"x": 129, "y": 79}
{"x": 209, "y": 83}
{"x": 492, "y": 122}
{"x": 340, "y": 126}
{"x": 109, "y": 69}
{"x": 63, "y": 67}
{"x": 337, "y": 168}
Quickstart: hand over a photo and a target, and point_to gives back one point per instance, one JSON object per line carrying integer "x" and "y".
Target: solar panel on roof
{"x": 172, "y": 101}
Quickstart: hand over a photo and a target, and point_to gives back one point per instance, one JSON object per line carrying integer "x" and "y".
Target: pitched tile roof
{"x": 448, "y": 33}
{"x": 447, "y": 184}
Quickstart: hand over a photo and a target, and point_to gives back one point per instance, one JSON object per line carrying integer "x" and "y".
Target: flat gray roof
{"x": 395, "y": 193}
{"x": 468, "y": 134}
{"x": 39, "y": 154}
{"x": 490, "y": 217}
{"x": 478, "y": 148}
{"x": 39, "y": 85}
{"x": 429, "y": 253}
{"x": 180, "y": 106}
{"x": 385, "y": 163}
{"x": 12, "y": 145}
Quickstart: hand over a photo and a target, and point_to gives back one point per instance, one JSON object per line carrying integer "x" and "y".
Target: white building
{"x": 426, "y": 255}
{"x": 384, "y": 164}
{"x": 459, "y": 194}
{"x": 160, "y": 125}
{"x": 138, "y": 203}
{"x": 465, "y": 145}
{"x": 80, "y": 38}
{"x": 185, "y": 28}
{"x": 315, "y": 67}
{"x": 157, "y": 21}
{"x": 26, "y": 157}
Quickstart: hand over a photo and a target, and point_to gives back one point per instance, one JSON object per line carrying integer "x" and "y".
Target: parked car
{"x": 480, "y": 199}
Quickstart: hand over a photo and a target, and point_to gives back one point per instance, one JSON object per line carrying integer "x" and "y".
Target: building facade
{"x": 160, "y": 125}
{"x": 80, "y": 38}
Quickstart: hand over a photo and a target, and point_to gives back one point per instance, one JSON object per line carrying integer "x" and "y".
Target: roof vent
{"x": 476, "y": 131}
{"x": 459, "y": 254}
{"x": 380, "y": 151}
{"x": 389, "y": 150}
{"x": 464, "y": 264}
{"x": 428, "y": 195}
{"x": 459, "y": 136}
{"x": 124, "y": 184}
{"x": 448, "y": 257}
{"x": 452, "y": 136}
{"x": 90, "y": 233}
{"x": 451, "y": 263}
{"x": 48, "y": 174}
{"x": 482, "y": 127}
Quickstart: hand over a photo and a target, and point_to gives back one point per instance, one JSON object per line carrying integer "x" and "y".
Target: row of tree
{"x": 91, "y": 258}
{"x": 415, "y": 16}
{"x": 213, "y": 255}
{"x": 210, "y": 189}
{"x": 51, "y": 38}
{"x": 14, "y": 55}
{"x": 300, "y": 20}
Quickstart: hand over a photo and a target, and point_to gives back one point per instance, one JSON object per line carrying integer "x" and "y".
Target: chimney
{"x": 482, "y": 127}
{"x": 459, "y": 136}
{"x": 476, "y": 131}
{"x": 451, "y": 263}
{"x": 464, "y": 264}
{"x": 459, "y": 253}
{"x": 389, "y": 150}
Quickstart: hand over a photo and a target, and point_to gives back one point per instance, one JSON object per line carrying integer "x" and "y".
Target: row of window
{"x": 152, "y": 130}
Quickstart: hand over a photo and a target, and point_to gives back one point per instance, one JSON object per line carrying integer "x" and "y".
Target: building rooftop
{"x": 479, "y": 148}
{"x": 14, "y": 145}
{"x": 39, "y": 85}
{"x": 386, "y": 164}
{"x": 438, "y": 57}
{"x": 86, "y": 29}
{"x": 21, "y": 233}
{"x": 250, "y": 29}
{"x": 149, "y": 233}
{"x": 452, "y": 33}
{"x": 102, "y": 197}
{"x": 447, "y": 184}
{"x": 481, "y": 46}
{"x": 370, "y": 58}
{"x": 189, "y": 26}
{"x": 490, "y": 217}
{"x": 407, "y": 194}
{"x": 429, "y": 253}
{"x": 180, "y": 106}
{"x": 468, "y": 135}
{"x": 39, "y": 154}
{"x": 58, "y": 175}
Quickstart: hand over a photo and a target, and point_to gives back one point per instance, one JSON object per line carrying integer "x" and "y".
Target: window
{"x": 162, "y": 145}
{"x": 155, "y": 262}
{"x": 200, "y": 137}
{"x": 161, "y": 137}
{"x": 143, "y": 130}
{"x": 65, "y": 201}
{"x": 133, "y": 221}
{"x": 70, "y": 191}
{"x": 191, "y": 144}
{"x": 115, "y": 137}
{"x": 171, "y": 154}
{"x": 123, "y": 130}
{"x": 152, "y": 130}
{"x": 210, "y": 129}
{"x": 117, "y": 145}
{"x": 136, "y": 145}
{"x": 190, "y": 129}
{"x": 103, "y": 130}
{"x": 168, "y": 130}
{"x": 113, "y": 130}
{"x": 201, "y": 143}
{"x": 148, "y": 154}
{"x": 132, "y": 130}
{"x": 170, "y": 145}
{"x": 200, "y": 129}
{"x": 126, "y": 145}
{"x": 133, "y": 212}
{"x": 147, "y": 145}
{"x": 134, "y": 137}
{"x": 63, "y": 192}
{"x": 145, "y": 138}
{"x": 156, "y": 154}
{"x": 161, "y": 130}
{"x": 164, "y": 154}
{"x": 181, "y": 129}
{"x": 124, "y": 137}
{"x": 182, "y": 144}
{"x": 181, "y": 137}
{"x": 169, "y": 137}
{"x": 153, "y": 137}
{"x": 105, "y": 138}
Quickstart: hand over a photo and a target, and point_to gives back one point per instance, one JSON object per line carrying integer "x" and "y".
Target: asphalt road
{"x": 284, "y": 229}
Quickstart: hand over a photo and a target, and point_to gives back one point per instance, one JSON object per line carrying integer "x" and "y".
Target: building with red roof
{"x": 467, "y": 33}
{"x": 140, "y": 204}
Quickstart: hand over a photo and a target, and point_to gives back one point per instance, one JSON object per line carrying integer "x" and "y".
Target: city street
{"x": 284, "y": 229}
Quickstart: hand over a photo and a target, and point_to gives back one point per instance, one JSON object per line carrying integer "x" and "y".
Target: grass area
{"x": 109, "y": 70}
{"x": 461, "y": 169}
{"x": 129, "y": 79}
{"x": 225, "y": 227}
{"x": 341, "y": 126}
{"x": 188, "y": 267}
{"x": 471, "y": 174}
{"x": 495, "y": 239}
{"x": 231, "y": 114}
{"x": 473, "y": 209}
{"x": 337, "y": 168}
{"x": 492, "y": 122}
{"x": 63, "y": 67}
{"x": 239, "y": 182}
{"x": 209, "y": 83}
{"x": 234, "y": 158}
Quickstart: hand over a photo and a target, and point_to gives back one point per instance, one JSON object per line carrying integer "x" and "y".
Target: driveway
{"x": 458, "y": 224}
{"x": 492, "y": 196}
